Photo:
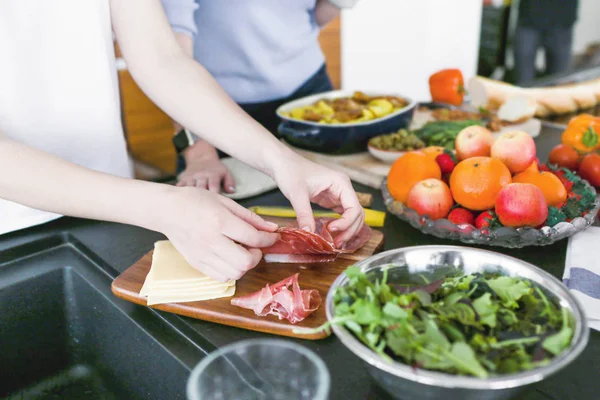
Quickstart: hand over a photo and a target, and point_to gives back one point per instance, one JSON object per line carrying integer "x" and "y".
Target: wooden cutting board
{"x": 312, "y": 276}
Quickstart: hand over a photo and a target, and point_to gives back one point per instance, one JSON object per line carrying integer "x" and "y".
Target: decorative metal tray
{"x": 503, "y": 237}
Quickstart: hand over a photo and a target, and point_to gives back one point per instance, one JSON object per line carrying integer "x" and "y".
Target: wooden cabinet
{"x": 331, "y": 45}
{"x": 149, "y": 130}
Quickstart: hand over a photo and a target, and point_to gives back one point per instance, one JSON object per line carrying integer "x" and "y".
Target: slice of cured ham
{"x": 277, "y": 299}
{"x": 299, "y": 246}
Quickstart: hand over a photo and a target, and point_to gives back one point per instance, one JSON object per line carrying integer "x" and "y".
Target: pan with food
{"x": 342, "y": 122}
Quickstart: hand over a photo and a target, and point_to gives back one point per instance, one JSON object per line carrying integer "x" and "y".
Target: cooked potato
{"x": 380, "y": 107}
{"x": 357, "y": 108}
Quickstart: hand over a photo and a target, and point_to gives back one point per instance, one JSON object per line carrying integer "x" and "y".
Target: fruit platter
{"x": 494, "y": 190}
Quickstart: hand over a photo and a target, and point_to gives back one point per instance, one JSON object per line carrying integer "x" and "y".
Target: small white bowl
{"x": 387, "y": 156}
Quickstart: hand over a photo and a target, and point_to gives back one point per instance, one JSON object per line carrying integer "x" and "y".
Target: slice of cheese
{"x": 172, "y": 279}
{"x": 152, "y": 286}
{"x": 187, "y": 297}
{"x": 171, "y": 266}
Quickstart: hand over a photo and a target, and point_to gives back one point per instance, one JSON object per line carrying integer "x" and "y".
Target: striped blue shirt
{"x": 258, "y": 50}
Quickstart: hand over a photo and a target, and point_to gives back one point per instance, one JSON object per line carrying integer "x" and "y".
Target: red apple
{"x": 521, "y": 204}
{"x": 473, "y": 141}
{"x": 515, "y": 149}
{"x": 430, "y": 197}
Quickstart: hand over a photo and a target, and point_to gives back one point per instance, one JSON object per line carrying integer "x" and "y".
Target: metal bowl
{"x": 502, "y": 237}
{"x": 403, "y": 381}
{"x": 339, "y": 139}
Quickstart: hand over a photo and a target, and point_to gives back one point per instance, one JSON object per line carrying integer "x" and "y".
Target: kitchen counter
{"x": 122, "y": 245}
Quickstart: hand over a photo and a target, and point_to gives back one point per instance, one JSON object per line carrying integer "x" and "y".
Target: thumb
{"x": 304, "y": 214}
{"x": 229, "y": 183}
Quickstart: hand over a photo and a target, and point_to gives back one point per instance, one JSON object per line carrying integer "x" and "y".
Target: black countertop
{"x": 122, "y": 245}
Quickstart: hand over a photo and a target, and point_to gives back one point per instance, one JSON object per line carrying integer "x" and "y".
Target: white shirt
{"x": 59, "y": 89}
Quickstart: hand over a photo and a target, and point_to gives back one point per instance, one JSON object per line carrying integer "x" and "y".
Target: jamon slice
{"x": 293, "y": 305}
{"x": 298, "y": 246}
{"x": 300, "y": 258}
{"x": 297, "y": 241}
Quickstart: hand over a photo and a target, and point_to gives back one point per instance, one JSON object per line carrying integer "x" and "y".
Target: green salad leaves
{"x": 477, "y": 324}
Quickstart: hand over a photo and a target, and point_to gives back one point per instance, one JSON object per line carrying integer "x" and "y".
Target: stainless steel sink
{"x": 63, "y": 335}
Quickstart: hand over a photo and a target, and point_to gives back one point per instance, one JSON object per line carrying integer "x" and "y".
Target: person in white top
{"x": 62, "y": 150}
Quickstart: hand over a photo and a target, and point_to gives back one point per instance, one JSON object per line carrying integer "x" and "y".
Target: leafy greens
{"x": 477, "y": 324}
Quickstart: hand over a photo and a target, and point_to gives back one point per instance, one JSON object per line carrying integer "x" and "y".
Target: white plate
{"x": 532, "y": 126}
{"x": 248, "y": 181}
{"x": 387, "y": 156}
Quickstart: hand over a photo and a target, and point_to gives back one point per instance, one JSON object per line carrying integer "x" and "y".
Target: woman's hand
{"x": 207, "y": 173}
{"x": 215, "y": 234}
{"x": 204, "y": 170}
{"x": 303, "y": 182}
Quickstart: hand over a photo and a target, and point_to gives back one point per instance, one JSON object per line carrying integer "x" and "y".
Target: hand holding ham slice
{"x": 299, "y": 246}
{"x": 293, "y": 305}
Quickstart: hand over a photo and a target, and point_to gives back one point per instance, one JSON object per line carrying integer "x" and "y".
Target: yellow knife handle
{"x": 373, "y": 218}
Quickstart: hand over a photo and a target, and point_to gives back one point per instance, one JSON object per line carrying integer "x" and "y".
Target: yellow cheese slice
{"x": 212, "y": 287}
{"x": 187, "y": 297}
{"x": 171, "y": 266}
{"x": 172, "y": 279}
{"x": 159, "y": 286}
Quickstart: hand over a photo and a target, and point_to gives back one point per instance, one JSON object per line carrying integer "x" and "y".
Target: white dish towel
{"x": 582, "y": 272}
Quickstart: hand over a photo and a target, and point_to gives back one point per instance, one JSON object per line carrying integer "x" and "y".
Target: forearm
{"x": 201, "y": 150}
{"x": 186, "y": 43}
{"x": 325, "y": 12}
{"x": 48, "y": 183}
{"x": 185, "y": 90}
{"x": 192, "y": 97}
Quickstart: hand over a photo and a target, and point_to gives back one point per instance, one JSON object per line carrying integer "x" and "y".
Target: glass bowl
{"x": 502, "y": 237}
{"x": 260, "y": 369}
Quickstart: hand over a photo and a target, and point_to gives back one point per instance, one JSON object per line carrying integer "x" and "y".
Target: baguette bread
{"x": 517, "y": 108}
{"x": 492, "y": 94}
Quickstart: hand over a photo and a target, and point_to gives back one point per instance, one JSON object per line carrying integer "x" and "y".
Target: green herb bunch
{"x": 443, "y": 133}
{"x": 477, "y": 324}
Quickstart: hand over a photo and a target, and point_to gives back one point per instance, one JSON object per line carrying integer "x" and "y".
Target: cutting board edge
{"x": 181, "y": 309}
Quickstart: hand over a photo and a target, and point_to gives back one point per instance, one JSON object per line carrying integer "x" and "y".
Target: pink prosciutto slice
{"x": 293, "y": 305}
{"x": 298, "y": 246}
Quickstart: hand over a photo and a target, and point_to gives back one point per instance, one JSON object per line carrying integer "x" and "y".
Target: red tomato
{"x": 565, "y": 156}
{"x": 589, "y": 169}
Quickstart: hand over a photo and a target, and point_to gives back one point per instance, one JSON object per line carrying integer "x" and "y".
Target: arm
{"x": 325, "y": 12}
{"x": 328, "y": 10}
{"x": 188, "y": 93}
{"x": 37, "y": 180}
{"x": 180, "y": 14}
{"x": 89, "y": 194}
{"x": 203, "y": 167}
{"x": 187, "y": 45}
{"x": 183, "y": 88}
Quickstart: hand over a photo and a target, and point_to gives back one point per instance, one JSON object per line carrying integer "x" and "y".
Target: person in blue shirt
{"x": 262, "y": 52}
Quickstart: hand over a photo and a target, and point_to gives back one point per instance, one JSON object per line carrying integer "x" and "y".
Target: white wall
{"x": 395, "y": 45}
{"x": 587, "y": 28}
